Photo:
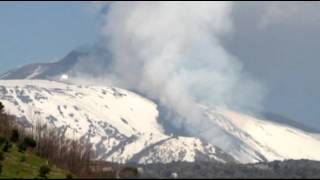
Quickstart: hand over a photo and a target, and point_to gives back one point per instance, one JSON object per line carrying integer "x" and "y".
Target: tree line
{"x": 45, "y": 142}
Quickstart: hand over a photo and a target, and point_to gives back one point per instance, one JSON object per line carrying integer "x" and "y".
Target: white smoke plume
{"x": 172, "y": 52}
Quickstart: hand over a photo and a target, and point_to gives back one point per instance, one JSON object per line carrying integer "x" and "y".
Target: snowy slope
{"x": 278, "y": 141}
{"x": 272, "y": 141}
{"x": 122, "y": 125}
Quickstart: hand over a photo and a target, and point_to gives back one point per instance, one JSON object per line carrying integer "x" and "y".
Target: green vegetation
{"x": 44, "y": 171}
{"x": 41, "y": 152}
{"x": 6, "y": 146}
{"x": 15, "y": 135}
{"x": 2, "y": 140}
{"x": 69, "y": 176}
{"x": 14, "y": 167}
{"x": 1, "y": 156}
{"x": 18, "y": 158}
{"x": 27, "y": 142}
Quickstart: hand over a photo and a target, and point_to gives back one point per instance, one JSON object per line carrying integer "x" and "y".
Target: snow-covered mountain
{"x": 124, "y": 126}
{"x": 264, "y": 140}
{"x": 77, "y": 60}
{"x": 44, "y": 70}
{"x": 121, "y": 125}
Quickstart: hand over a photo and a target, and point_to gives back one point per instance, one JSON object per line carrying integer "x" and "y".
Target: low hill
{"x": 26, "y": 165}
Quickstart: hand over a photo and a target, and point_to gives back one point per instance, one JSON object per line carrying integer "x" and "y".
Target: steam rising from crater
{"x": 172, "y": 52}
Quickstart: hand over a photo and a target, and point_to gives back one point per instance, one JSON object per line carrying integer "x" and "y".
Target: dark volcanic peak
{"x": 44, "y": 70}
{"x": 85, "y": 60}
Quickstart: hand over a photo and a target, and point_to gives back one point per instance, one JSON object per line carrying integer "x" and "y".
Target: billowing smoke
{"x": 172, "y": 52}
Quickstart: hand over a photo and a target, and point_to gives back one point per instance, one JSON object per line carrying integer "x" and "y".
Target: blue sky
{"x": 43, "y": 31}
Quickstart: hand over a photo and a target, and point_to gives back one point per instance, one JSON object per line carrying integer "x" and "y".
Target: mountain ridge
{"x": 124, "y": 126}
{"x": 68, "y": 67}
{"x": 119, "y": 123}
